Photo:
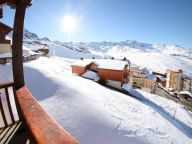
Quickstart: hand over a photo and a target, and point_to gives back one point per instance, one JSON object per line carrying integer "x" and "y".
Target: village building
{"x": 177, "y": 81}
{"x": 5, "y": 45}
{"x": 186, "y": 83}
{"x": 185, "y": 95}
{"x": 174, "y": 80}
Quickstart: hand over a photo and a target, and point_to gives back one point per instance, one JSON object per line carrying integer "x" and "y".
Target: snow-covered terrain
{"x": 94, "y": 114}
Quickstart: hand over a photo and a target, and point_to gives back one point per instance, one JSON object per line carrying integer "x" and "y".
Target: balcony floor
{"x": 15, "y": 134}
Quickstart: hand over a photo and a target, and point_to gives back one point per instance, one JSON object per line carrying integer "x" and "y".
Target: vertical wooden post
{"x": 1, "y": 13}
{"x": 17, "y": 52}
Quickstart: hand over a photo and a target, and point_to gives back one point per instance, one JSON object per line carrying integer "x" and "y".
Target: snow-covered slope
{"x": 154, "y": 60}
{"x": 159, "y": 57}
{"x": 68, "y": 50}
{"x": 94, "y": 114}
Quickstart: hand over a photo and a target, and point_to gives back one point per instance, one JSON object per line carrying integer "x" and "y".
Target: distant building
{"x": 185, "y": 95}
{"x": 177, "y": 81}
{"x": 5, "y": 45}
{"x": 186, "y": 83}
{"x": 138, "y": 79}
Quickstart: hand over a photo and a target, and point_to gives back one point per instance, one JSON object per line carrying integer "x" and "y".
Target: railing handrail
{"x": 5, "y": 85}
{"x": 43, "y": 128}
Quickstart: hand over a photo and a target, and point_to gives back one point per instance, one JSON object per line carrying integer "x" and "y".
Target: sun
{"x": 69, "y": 24}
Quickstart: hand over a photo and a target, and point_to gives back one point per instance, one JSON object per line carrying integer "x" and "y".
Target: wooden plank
{"x": 4, "y": 85}
{"x": 9, "y": 105}
{"x": 5, "y": 41}
{"x": 43, "y": 128}
{"x": 3, "y": 113}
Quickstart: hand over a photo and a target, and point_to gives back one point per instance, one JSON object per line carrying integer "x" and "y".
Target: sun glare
{"x": 69, "y": 24}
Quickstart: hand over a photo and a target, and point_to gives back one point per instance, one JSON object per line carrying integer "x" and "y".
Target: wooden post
{"x": 17, "y": 52}
{"x": 1, "y": 13}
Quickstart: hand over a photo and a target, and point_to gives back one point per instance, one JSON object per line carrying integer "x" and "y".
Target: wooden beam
{"x": 4, "y": 85}
{"x": 17, "y": 52}
{"x": 43, "y": 128}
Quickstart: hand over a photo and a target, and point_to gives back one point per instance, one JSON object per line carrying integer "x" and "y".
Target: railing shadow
{"x": 16, "y": 133}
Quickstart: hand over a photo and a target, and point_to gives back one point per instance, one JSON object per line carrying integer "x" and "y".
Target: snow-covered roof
{"x": 103, "y": 63}
{"x": 186, "y": 92}
{"x": 26, "y": 51}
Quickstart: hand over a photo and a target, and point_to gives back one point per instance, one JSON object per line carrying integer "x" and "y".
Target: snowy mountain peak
{"x": 30, "y": 35}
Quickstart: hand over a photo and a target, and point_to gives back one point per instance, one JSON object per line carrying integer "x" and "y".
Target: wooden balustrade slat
{"x": 2, "y": 112}
{"x": 9, "y": 105}
{"x": 43, "y": 128}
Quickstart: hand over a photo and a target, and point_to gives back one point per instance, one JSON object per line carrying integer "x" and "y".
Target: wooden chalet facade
{"x": 41, "y": 128}
{"x": 113, "y": 76}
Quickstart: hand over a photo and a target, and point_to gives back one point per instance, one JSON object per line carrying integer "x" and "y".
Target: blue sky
{"x": 150, "y": 21}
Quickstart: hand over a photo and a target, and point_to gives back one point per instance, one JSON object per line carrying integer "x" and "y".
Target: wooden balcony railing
{"x": 42, "y": 127}
{"x": 7, "y": 108}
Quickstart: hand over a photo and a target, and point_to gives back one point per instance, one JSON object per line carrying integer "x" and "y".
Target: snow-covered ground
{"x": 95, "y": 114}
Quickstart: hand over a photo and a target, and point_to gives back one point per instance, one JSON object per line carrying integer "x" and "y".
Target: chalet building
{"x": 160, "y": 77}
{"x": 138, "y": 79}
{"x": 5, "y": 45}
{"x": 110, "y": 73}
